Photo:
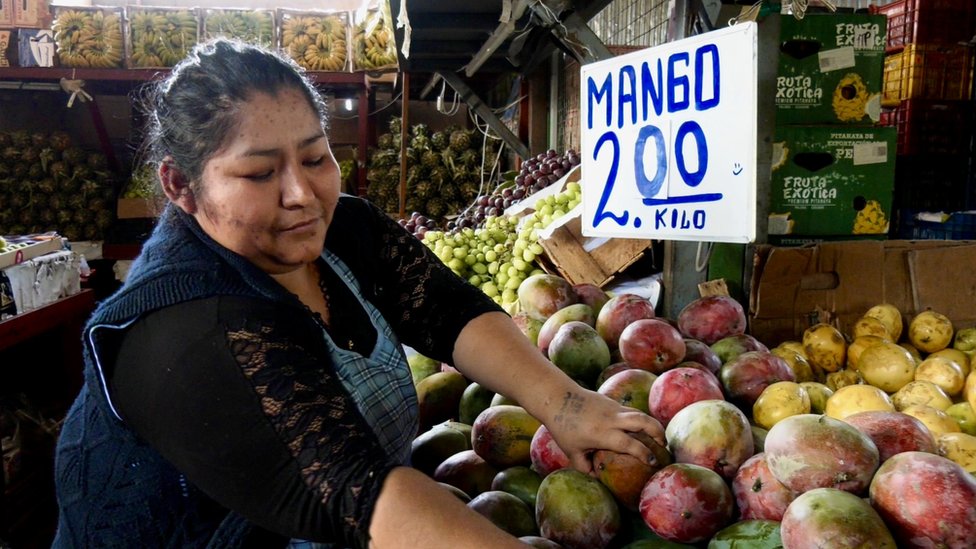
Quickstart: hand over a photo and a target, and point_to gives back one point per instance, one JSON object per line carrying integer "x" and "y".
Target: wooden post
{"x": 404, "y": 133}
{"x": 361, "y": 159}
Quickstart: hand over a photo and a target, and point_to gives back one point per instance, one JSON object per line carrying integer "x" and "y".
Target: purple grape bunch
{"x": 536, "y": 174}
{"x": 418, "y": 224}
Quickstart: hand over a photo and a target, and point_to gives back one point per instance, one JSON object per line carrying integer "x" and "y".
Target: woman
{"x": 247, "y": 385}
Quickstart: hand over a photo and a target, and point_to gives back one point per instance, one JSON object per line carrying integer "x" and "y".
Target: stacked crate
{"x": 833, "y": 166}
{"x": 21, "y": 23}
{"x": 928, "y": 95}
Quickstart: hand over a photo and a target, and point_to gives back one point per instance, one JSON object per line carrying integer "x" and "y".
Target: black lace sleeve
{"x": 253, "y": 414}
{"x": 423, "y": 300}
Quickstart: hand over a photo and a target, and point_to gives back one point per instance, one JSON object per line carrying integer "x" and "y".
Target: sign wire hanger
{"x": 799, "y": 7}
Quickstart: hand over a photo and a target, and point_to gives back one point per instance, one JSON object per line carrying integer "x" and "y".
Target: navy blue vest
{"x": 114, "y": 490}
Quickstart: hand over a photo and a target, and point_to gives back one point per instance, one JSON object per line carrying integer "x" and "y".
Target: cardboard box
{"x": 128, "y": 208}
{"x": 580, "y": 259}
{"x": 34, "y": 249}
{"x": 6, "y": 13}
{"x": 831, "y": 180}
{"x": 35, "y": 47}
{"x": 837, "y": 282}
{"x": 830, "y": 69}
{"x": 34, "y": 14}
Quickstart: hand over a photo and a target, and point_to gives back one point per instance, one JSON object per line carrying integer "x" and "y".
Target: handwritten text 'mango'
{"x": 634, "y": 98}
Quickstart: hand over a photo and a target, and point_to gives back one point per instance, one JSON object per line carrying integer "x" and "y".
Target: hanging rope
{"x": 75, "y": 88}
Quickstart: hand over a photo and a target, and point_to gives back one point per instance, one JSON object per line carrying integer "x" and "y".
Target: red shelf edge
{"x": 141, "y": 75}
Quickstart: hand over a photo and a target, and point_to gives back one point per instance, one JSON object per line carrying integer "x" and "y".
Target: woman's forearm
{"x": 493, "y": 351}
{"x": 414, "y": 511}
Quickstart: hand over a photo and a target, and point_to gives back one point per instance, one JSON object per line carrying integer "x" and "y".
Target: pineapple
{"x": 430, "y": 159}
{"x": 46, "y": 185}
{"x": 20, "y": 139}
{"x": 420, "y": 130}
{"x": 420, "y": 143}
{"x": 470, "y": 158}
{"x": 460, "y": 141}
{"x": 416, "y": 172}
{"x": 422, "y": 189}
{"x": 439, "y": 141}
{"x": 74, "y": 156}
{"x": 395, "y": 125}
{"x": 60, "y": 141}
{"x": 436, "y": 207}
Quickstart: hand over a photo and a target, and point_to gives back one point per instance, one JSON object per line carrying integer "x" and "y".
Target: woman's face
{"x": 269, "y": 192}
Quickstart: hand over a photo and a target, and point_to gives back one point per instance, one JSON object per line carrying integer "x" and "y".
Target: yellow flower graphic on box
{"x": 871, "y": 219}
{"x": 850, "y": 98}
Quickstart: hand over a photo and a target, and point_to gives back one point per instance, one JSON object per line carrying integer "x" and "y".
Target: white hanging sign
{"x": 668, "y": 139}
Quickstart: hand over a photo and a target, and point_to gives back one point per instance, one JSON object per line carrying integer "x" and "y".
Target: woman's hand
{"x": 584, "y": 421}
{"x": 493, "y": 351}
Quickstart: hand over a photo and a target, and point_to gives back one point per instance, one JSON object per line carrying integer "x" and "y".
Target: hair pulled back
{"x": 192, "y": 112}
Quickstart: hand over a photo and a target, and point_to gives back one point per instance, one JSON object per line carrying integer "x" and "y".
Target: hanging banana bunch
{"x": 374, "y": 46}
{"x": 251, "y": 26}
{"x": 316, "y": 41}
{"x": 160, "y": 37}
{"x": 88, "y": 37}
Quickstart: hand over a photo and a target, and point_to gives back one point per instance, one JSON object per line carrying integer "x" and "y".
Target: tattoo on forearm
{"x": 572, "y": 404}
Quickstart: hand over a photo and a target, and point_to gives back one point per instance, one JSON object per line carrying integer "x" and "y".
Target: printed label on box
{"x": 42, "y": 48}
{"x": 4, "y": 45}
{"x": 870, "y": 153}
{"x": 835, "y": 60}
{"x": 35, "y": 47}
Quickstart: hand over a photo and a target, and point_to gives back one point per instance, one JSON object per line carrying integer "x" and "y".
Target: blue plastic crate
{"x": 959, "y": 226}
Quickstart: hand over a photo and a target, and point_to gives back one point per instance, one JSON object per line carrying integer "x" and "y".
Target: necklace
{"x": 324, "y": 288}
{"x": 328, "y": 306}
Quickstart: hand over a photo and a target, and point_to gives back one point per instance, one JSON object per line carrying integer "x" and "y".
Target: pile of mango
{"x": 849, "y": 436}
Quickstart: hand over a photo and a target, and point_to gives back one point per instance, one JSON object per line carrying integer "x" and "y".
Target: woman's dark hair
{"x": 192, "y": 111}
